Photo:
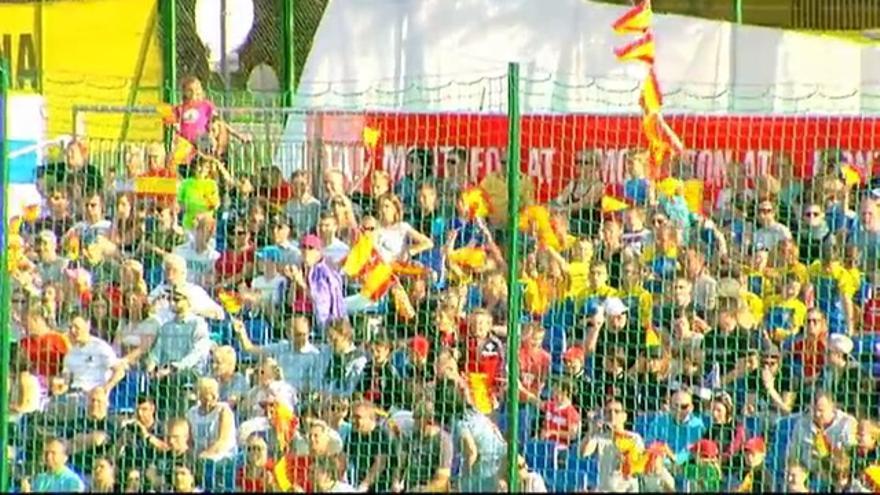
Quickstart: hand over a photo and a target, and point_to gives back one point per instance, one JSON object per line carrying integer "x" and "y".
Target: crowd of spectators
{"x": 210, "y": 340}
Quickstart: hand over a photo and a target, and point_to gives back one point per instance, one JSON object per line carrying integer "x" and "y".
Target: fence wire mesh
{"x": 315, "y": 298}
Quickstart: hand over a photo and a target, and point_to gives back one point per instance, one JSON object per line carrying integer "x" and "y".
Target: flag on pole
{"x": 360, "y": 254}
{"x": 651, "y": 99}
{"x": 641, "y": 49}
{"x": 636, "y": 20}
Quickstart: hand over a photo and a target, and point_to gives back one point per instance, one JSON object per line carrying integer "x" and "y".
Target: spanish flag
{"x": 377, "y": 279}
{"x": 468, "y": 257}
{"x": 480, "y": 391}
{"x": 406, "y": 269}
{"x": 537, "y": 217}
{"x": 641, "y": 49}
{"x": 160, "y": 186}
{"x": 476, "y": 202}
{"x": 652, "y": 98}
{"x": 230, "y": 301}
{"x": 284, "y": 422}
{"x": 636, "y": 20}
{"x": 182, "y": 151}
{"x": 358, "y": 257}
{"x": 871, "y": 477}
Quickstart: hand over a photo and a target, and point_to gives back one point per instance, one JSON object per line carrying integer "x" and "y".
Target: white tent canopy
{"x": 451, "y": 55}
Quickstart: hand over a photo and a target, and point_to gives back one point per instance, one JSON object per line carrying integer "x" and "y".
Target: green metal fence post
{"x": 514, "y": 313}
{"x": 168, "y": 22}
{"x": 5, "y": 340}
{"x": 288, "y": 71}
{"x": 738, "y": 11}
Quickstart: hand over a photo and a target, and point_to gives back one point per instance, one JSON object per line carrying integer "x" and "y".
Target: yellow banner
{"x": 87, "y": 52}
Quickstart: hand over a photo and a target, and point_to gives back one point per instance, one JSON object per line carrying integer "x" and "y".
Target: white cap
{"x": 841, "y": 343}
{"x": 614, "y": 306}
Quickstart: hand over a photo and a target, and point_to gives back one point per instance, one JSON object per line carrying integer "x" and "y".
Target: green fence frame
{"x": 4, "y": 283}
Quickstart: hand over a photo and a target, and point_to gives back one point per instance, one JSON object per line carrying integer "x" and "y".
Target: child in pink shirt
{"x": 195, "y": 115}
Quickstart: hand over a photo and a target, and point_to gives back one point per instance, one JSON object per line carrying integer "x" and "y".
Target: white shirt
{"x": 199, "y": 265}
{"x": 200, "y": 301}
{"x": 391, "y": 241}
{"x": 610, "y": 477}
{"x": 336, "y": 251}
{"x": 90, "y": 365}
{"x": 270, "y": 289}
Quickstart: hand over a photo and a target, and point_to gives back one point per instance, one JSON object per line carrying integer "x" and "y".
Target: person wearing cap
{"x": 853, "y": 387}
{"x": 609, "y": 439}
{"x": 754, "y": 476}
{"x": 319, "y": 282}
{"x": 702, "y": 472}
{"x": 181, "y": 350}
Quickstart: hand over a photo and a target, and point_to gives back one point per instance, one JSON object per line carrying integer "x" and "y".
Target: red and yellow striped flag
{"x": 635, "y": 20}
{"x": 284, "y": 422}
{"x": 651, "y": 99}
{"x": 377, "y": 279}
{"x": 166, "y": 186}
{"x": 182, "y": 151}
{"x": 359, "y": 256}
{"x": 641, "y": 49}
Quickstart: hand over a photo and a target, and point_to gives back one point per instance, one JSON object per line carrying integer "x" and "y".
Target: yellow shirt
{"x": 846, "y": 285}
{"x": 775, "y": 305}
{"x": 579, "y": 278}
{"x": 754, "y": 303}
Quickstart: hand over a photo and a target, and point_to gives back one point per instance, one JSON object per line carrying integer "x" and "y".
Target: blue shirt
{"x": 64, "y": 480}
{"x": 679, "y": 436}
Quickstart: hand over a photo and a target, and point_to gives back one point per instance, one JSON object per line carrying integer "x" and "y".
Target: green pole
{"x": 514, "y": 312}
{"x": 5, "y": 339}
{"x": 738, "y": 11}
{"x": 168, "y": 21}
{"x": 288, "y": 69}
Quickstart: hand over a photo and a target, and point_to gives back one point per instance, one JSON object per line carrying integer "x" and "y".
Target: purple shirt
{"x": 325, "y": 288}
{"x": 195, "y": 118}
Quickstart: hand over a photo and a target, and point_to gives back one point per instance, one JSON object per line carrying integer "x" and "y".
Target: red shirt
{"x": 485, "y": 357}
{"x": 811, "y": 355}
{"x": 279, "y": 194}
{"x": 871, "y": 315}
{"x": 559, "y": 420}
{"x": 232, "y": 262}
{"x": 534, "y": 367}
{"x": 252, "y": 485}
{"x": 45, "y": 353}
